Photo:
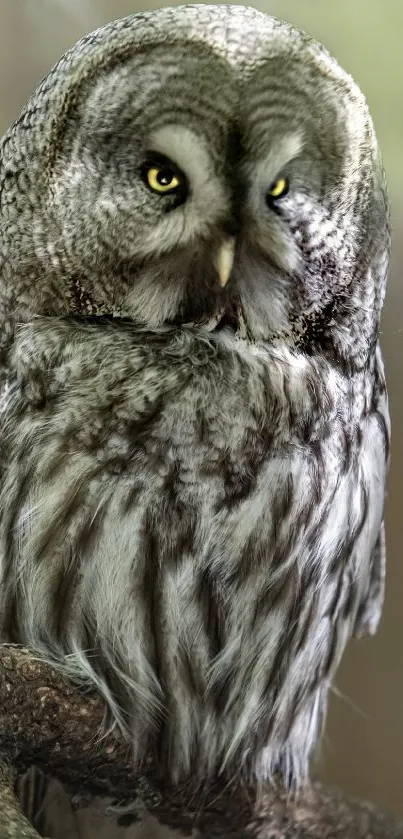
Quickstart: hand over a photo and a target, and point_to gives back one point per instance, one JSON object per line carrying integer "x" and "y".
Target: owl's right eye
{"x": 164, "y": 178}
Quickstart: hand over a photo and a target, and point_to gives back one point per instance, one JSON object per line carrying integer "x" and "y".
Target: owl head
{"x": 203, "y": 166}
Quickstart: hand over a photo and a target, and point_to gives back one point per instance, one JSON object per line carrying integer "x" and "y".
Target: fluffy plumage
{"x": 192, "y": 479}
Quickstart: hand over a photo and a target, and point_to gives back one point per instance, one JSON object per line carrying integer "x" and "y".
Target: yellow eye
{"x": 162, "y": 179}
{"x": 278, "y": 188}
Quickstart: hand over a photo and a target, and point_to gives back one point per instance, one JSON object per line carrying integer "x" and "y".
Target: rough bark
{"x": 45, "y": 721}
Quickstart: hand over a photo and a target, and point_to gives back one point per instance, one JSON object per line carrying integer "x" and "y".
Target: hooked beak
{"x": 224, "y": 260}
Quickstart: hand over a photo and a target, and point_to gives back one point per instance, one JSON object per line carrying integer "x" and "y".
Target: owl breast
{"x": 193, "y": 521}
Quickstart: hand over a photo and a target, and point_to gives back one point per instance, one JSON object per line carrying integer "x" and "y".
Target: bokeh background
{"x": 363, "y": 748}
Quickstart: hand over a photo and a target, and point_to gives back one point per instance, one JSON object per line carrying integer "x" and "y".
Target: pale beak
{"x": 225, "y": 260}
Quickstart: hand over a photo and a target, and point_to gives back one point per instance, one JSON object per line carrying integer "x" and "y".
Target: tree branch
{"x": 46, "y": 722}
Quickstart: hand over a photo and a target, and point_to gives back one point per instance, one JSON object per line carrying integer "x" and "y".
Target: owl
{"x": 194, "y": 435}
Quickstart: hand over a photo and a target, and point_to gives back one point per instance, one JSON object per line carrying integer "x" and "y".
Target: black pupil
{"x": 165, "y": 177}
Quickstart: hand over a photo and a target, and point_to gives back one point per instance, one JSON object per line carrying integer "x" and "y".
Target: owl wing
{"x": 369, "y": 612}
{"x": 370, "y": 608}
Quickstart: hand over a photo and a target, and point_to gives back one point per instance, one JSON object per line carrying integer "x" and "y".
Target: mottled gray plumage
{"x": 193, "y": 476}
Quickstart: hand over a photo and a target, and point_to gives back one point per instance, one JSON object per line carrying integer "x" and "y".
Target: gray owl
{"x": 194, "y": 436}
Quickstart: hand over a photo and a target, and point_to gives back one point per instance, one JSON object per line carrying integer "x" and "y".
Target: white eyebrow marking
{"x": 265, "y": 170}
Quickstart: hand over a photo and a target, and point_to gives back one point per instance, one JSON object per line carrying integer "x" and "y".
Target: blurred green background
{"x": 363, "y": 748}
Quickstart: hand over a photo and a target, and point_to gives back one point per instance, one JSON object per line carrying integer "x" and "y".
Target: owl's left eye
{"x": 163, "y": 177}
{"x": 278, "y": 189}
